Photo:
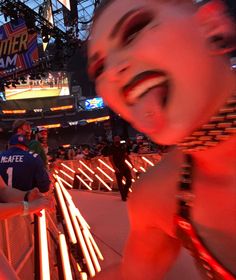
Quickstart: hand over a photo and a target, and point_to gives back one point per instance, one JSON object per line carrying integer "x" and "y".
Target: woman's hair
{"x": 230, "y": 4}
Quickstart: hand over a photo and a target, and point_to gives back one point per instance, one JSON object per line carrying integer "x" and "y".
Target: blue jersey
{"x": 23, "y": 170}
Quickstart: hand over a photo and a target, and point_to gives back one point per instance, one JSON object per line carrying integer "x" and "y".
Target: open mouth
{"x": 141, "y": 84}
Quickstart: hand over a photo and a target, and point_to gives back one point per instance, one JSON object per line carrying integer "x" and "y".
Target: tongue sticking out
{"x": 148, "y": 111}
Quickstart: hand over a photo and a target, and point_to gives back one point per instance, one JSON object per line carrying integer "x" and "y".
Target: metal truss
{"x": 80, "y": 28}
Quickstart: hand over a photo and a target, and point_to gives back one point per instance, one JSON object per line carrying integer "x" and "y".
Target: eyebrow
{"x": 93, "y": 58}
{"x": 114, "y": 31}
{"x": 121, "y": 21}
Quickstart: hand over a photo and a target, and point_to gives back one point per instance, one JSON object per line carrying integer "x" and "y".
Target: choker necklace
{"x": 218, "y": 129}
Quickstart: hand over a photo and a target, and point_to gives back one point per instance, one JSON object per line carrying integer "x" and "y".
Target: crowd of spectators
{"x": 102, "y": 147}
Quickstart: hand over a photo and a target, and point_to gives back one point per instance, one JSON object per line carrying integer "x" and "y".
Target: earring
{"x": 233, "y": 61}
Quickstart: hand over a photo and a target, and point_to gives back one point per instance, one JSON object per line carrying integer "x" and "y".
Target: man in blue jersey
{"x": 22, "y": 169}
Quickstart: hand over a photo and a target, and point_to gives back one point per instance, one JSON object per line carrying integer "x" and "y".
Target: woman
{"x": 165, "y": 66}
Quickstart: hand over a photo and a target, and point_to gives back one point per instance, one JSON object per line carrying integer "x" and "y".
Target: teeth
{"x": 143, "y": 87}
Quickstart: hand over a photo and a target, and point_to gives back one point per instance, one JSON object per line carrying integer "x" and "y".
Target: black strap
{"x": 185, "y": 188}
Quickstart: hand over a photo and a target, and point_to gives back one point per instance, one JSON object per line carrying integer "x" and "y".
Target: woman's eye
{"x": 132, "y": 31}
{"x": 97, "y": 71}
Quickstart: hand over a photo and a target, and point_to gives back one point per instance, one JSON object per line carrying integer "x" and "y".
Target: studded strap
{"x": 220, "y": 128}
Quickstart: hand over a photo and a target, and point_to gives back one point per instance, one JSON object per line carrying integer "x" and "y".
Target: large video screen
{"x": 94, "y": 103}
{"x": 53, "y": 84}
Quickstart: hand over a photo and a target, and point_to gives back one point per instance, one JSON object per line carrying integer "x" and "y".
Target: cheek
{"x": 113, "y": 99}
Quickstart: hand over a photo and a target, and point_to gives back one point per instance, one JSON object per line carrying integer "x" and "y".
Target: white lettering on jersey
{"x": 11, "y": 159}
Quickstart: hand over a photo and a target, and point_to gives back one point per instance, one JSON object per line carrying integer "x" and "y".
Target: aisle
{"x": 107, "y": 215}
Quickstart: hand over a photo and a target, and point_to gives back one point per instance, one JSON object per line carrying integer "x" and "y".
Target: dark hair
{"x": 18, "y": 124}
{"x": 99, "y": 9}
{"x": 230, "y": 4}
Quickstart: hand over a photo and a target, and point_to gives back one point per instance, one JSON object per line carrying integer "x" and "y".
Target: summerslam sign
{"x": 18, "y": 48}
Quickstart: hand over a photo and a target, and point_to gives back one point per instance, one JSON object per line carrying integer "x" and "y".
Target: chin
{"x": 167, "y": 138}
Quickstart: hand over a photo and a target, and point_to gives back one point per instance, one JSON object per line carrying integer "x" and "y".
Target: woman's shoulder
{"x": 153, "y": 201}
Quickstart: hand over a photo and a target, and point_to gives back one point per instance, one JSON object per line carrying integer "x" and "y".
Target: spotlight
{"x": 45, "y": 35}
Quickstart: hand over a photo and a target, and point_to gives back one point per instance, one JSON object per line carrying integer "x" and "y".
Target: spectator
{"x": 22, "y": 169}
{"x": 142, "y": 146}
{"x": 14, "y": 202}
{"x": 118, "y": 155}
{"x": 11, "y": 202}
{"x": 71, "y": 153}
{"x": 86, "y": 153}
{"x": 22, "y": 127}
{"x": 39, "y": 144}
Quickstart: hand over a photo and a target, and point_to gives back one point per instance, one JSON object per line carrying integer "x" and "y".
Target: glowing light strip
{"x": 81, "y": 219}
{"x": 105, "y": 184}
{"x": 83, "y": 276}
{"x": 65, "y": 258}
{"x": 143, "y": 169}
{"x": 98, "y": 119}
{"x": 102, "y": 162}
{"x": 86, "y": 175}
{"x": 105, "y": 174}
{"x": 82, "y": 181}
{"x": 66, "y": 107}
{"x": 64, "y": 191}
{"x": 70, "y": 169}
{"x": 55, "y": 125}
{"x": 123, "y": 182}
{"x": 56, "y": 172}
{"x": 65, "y": 214}
{"x": 63, "y": 172}
{"x": 89, "y": 169}
{"x": 70, "y": 201}
{"x": 88, "y": 239}
{"x": 133, "y": 180}
{"x": 65, "y": 182}
{"x": 148, "y": 161}
{"x": 14, "y": 111}
{"x": 43, "y": 248}
{"x": 91, "y": 250}
{"x": 95, "y": 246}
{"x": 130, "y": 165}
{"x": 82, "y": 242}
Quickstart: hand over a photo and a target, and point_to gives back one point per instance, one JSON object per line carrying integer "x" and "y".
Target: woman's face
{"x": 151, "y": 64}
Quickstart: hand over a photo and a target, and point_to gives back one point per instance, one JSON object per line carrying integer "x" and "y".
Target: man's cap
{"x": 19, "y": 123}
{"x": 42, "y": 128}
{"x": 18, "y": 139}
{"x": 139, "y": 137}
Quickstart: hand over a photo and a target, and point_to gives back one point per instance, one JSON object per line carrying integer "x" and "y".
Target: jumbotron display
{"x": 54, "y": 84}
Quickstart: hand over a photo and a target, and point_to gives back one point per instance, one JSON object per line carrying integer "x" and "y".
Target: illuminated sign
{"x": 38, "y": 110}
{"x": 18, "y": 48}
{"x": 94, "y": 103}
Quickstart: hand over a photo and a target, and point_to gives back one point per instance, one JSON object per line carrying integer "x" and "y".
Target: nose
{"x": 115, "y": 70}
